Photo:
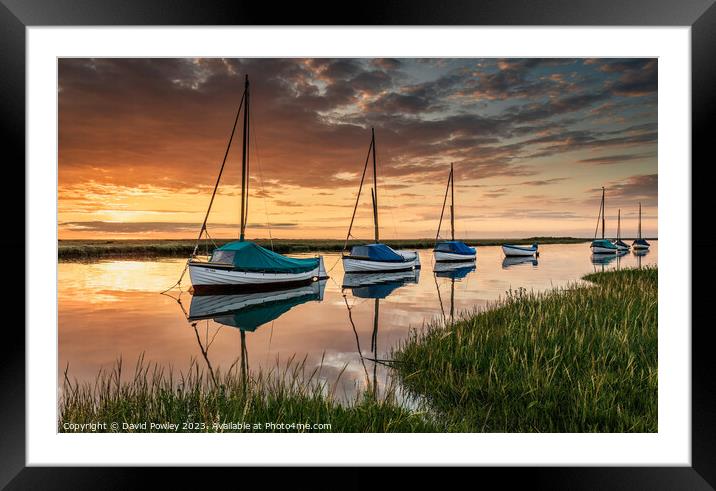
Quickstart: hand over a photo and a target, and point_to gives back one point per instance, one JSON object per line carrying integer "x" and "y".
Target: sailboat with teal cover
{"x": 244, "y": 263}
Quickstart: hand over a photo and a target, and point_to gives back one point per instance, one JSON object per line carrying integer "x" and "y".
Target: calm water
{"x": 113, "y": 308}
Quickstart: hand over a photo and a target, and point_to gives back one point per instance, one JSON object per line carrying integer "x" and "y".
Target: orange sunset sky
{"x": 532, "y": 141}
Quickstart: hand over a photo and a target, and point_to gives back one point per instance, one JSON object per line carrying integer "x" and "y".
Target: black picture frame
{"x": 16, "y": 15}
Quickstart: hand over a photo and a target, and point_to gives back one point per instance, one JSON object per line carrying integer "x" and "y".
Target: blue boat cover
{"x": 255, "y": 316}
{"x": 640, "y": 242}
{"x": 603, "y": 243}
{"x": 247, "y": 256}
{"x": 454, "y": 247}
{"x": 376, "y": 252}
{"x": 457, "y": 273}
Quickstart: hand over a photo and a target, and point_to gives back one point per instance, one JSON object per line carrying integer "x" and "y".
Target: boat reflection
{"x": 376, "y": 286}
{"x": 454, "y": 272}
{"x": 246, "y": 312}
{"x": 640, "y": 253}
{"x": 606, "y": 259}
{"x": 510, "y": 261}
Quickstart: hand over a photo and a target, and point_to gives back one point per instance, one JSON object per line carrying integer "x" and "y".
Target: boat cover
{"x": 376, "y": 252}
{"x": 252, "y": 317}
{"x": 455, "y": 247}
{"x": 603, "y": 243}
{"x": 247, "y": 256}
{"x": 640, "y": 242}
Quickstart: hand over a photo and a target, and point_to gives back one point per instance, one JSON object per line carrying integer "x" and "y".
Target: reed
{"x": 209, "y": 401}
{"x": 579, "y": 359}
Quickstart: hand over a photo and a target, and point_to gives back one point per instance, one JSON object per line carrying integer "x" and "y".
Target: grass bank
{"x": 203, "y": 401}
{"x": 582, "y": 359}
{"x": 74, "y": 250}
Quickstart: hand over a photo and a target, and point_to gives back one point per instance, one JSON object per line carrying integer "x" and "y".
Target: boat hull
{"x": 509, "y": 250}
{"x": 204, "y": 277}
{"x": 451, "y": 257}
{"x": 640, "y": 247}
{"x": 603, "y": 250}
{"x": 352, "y": 265}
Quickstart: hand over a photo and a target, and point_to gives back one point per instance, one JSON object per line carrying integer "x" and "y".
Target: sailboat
{"x": 640, "y": 243}
{"x": 243, "y": 263}
{"x": 621, "y": 245}
{"x": 602, "y": 246}
{"x": 451, "y": 250}
{"x": 370, "y": 258}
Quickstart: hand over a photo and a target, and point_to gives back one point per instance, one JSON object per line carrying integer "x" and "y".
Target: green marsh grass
{"x": 284, "y": 396}
{"x": 580, "y": 359}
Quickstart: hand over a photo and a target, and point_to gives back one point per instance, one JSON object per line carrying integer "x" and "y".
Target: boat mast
{"x": 375, "y": 187}
{"x": 442, "y": 211}
{"x": 640, "y": 220}
{"x": 452, "y": 203}
{"x": 619, "y": 224}
{"x": 244, "y": 161}
{"x": 603, "y": 212}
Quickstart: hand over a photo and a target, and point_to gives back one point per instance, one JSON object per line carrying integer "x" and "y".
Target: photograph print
{"x": 357, "y": 245}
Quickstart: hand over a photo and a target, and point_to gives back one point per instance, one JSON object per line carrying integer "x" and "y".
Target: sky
{"x": 532, "y": 141}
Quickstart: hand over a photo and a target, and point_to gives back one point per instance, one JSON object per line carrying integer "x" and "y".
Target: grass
{"x": 582, "y": 359}
{"x": 211, "y": 401}
{"x": 74, "y": 250}
{"x": 579, "y": 359}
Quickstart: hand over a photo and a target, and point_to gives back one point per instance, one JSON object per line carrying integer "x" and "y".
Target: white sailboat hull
{"x": 622, "y": 248}
{"x": 517, "y": 251}
{"x": 351, "y": 265}
{"x": 602, "y": 250}
{"x": 640, "y": 247}
{"x": 202, "y": 275}
{"x": 452, "y": 257}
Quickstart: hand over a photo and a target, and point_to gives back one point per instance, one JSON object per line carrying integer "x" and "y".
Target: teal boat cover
{"x": 247, "y": 256}
{"x": 603, "y": 243}
{"x": 255, "y": 316}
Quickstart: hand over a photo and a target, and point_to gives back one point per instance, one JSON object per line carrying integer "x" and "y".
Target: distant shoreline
{"x": 73, "y": 250}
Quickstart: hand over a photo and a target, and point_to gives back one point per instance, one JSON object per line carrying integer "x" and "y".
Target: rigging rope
{"x": 360, "y": 188}
{"x": 213, "y": 195}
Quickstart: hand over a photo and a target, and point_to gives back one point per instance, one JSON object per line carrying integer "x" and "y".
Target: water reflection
{"x": 376, "y": 286}
{"x": 510, "y": 261}
{"x": 606, "y": 259}
{"x": 246, "y": 312}
{"x": 111, "y": 308}
{"x": 454, "y": 272}
{"x": 639, "y": 254}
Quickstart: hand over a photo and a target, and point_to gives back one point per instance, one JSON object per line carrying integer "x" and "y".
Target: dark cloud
{"x": 166, "y": 121}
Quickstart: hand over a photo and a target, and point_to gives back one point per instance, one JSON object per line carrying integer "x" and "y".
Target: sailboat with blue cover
{"x": 376, "y": 257}
{"x": 602, "y": 246}
{"x": 639, "y": 243}
{"x": 244, "y": 263}
{"x": 451, "y": 250}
